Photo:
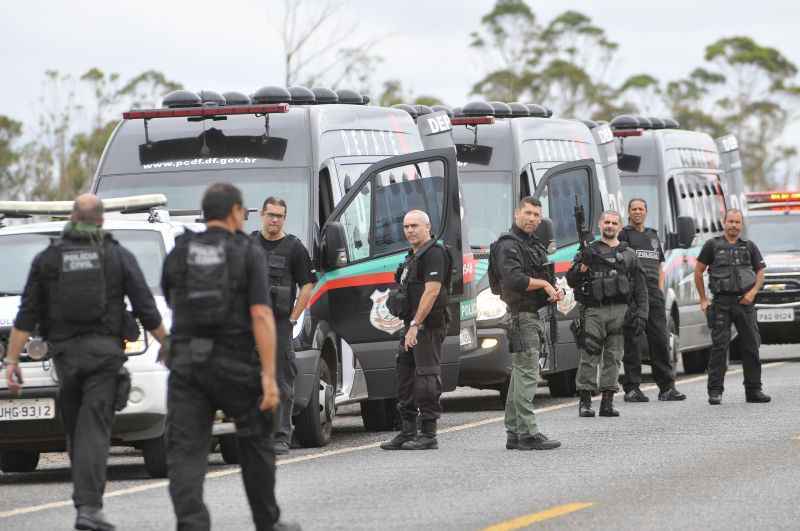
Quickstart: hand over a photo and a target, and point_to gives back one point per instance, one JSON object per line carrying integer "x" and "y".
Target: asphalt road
{"x": 683, "y": 465}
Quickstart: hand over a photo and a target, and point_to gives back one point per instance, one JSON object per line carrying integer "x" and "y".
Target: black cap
{"x": 272, "y": 95}
{"x": 181, "y": 98}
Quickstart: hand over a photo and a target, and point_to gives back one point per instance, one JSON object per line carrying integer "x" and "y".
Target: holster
{"x": 281, "y": 300}
{"x": 123, "y": 389}
{"x": 516, "y": 343}
{"x": 578, "y": 329}
{"x": 165, "y": 352}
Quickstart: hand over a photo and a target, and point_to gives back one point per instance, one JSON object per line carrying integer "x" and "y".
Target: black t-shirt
{"x": 246, "y": 262}
{"x": 647, "y": 247}
{"x": 300, "y": 267}
{"x": 706, "y": 255}
{"x": 430, "y": 267}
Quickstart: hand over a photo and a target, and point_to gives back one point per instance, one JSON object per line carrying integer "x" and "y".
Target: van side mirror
{"x": 545, "y": 234}
{"x": 686, "y": 231}
{"x": 334, "y": 247}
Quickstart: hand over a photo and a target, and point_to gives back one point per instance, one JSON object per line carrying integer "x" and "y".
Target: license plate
{"x": 465, "y": 339}
{"x": 27, "y": 409}
{"x": 775, "y": 315}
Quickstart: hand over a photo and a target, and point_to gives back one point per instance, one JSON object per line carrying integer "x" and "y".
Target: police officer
{"x": 736, "y": 273}
{"x": 424, "y": 281}
{"x": 645, "y": 243}
{"x": 75, "y": 294}
{"x": 520, "y": 266}
{"x": 289, "y": 267}
{"x": 606, "y": 277}
{"x": 217, "y": 286}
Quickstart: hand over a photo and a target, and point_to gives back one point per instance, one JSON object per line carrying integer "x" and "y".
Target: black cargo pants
{"x": 87, "y": 371}
{"x": 419, "y": 373}
{"x": 724, "y": 311}
{"x": 656, "y": 339}
{"x": 286, "y": 374}
{"x": 204, "y": 378}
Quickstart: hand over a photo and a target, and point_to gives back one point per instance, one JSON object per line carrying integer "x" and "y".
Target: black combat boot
{"x": 635, "y": 395}
{"x": 512, "y": 440}
{"x": 92, "y": 518}
{"x": 537, "y": 441}
{"x": 757, "y": 396}
{"x": 408, "y": 433}
{"x": 585, "y": 405}
{"x": 607, "y": 405}
{"x": 426, "y": 439}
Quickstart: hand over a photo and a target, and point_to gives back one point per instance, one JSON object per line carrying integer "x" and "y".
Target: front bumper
{"x": 489, "y": 365}
{"x": 778, "y": 331}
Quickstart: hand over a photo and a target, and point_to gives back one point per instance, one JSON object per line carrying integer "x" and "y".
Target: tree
{"x": 394, "y": 93}
{"x": 10, "y": 131}
{"x": 319, "y": 49}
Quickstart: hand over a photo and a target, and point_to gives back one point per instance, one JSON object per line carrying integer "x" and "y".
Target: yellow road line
{"x": 320, "y": 455}
{"x": 525, "y": 521}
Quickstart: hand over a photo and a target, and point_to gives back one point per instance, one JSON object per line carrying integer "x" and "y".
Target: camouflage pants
{"x": 520, "y": 418}
{"x": 604, "y": 347}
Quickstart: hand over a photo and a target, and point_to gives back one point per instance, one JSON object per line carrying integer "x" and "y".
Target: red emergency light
{"x": 772, "y": 197}
{"x": 619, "y": 133}
{"x": 472, "y": 120}
{"x": 188, "y": 112}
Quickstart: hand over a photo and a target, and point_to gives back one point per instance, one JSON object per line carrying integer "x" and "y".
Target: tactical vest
{"x": 731, "y": 272}
{"x": 412, "y": 285}
{"x": 609, "y": 277}
{"x": 279, "y": 260}
{"x": 85, "y": 294}
{"x": 647, "y": 247}
{"x": 534, "y": 257}
{"x": 208, "y": 292}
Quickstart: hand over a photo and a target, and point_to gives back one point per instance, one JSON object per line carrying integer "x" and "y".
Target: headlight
{"x": 490, "y": 306}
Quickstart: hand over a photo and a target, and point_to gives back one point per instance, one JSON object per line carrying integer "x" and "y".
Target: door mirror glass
{"x": 334, "y": 245}
{"x": 558, "y": 190}
{"x": 686, "y": 231}
{"x": 544, "y": 233}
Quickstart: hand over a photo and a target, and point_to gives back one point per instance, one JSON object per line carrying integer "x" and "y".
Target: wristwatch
{"x": 413, "y": 323}
{"x": 292, "y": 322}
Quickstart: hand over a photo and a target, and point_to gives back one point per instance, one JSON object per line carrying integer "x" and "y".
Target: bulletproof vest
{"x": 534, "y": 258}
{"x": 610, "y": 274}
{"x": 207, "y": 277}
{"x": 85, "y": 292}
{"x": 280, "y": 275}
{"x": 732, "y": 271}
{"x": 647, "y": 247}
{"x": 412, "y": 283}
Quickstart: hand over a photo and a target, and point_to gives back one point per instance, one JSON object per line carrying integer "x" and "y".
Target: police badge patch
{"x": 380, "y": 317}
{"x": 566, "y": 304}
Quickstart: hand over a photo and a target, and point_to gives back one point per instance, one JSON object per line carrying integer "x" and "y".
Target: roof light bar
{"x": 133, "y": 203}
{"x": 472, "y": 120}
{"x": 772, "y": 197}
{"x": 149, "y": 114}
{"x": 627, "y": 132}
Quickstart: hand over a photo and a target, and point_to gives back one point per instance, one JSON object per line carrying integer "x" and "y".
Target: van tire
{"x": 155, "y": 456}
{"x": 696, "y": 362}
{"x": 562, "y": 384}
{"x": 19, "y": 460}
{"x": 229, "y": 449}
{"x": 314, "y": 425}
{"x": 379, "y": 415}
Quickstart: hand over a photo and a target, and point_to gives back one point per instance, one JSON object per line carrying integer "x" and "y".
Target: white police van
{"x": 30, "y": 424}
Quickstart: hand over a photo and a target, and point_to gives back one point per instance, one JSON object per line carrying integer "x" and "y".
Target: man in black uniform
{"x": 289, "y": 267}
{"x": 522, "y": 278}
{"x": 644, "y": 241}
{"x": 736, "y": 273}
{"x": 217, "y": 286}
{"x": 75, "y": 294}
{"x": 607, "y": 279}
{"x": 424, "y": 281}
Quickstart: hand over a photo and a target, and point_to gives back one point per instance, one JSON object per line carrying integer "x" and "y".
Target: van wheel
{"x": 314, "y": 425}
{"x": 229, "y": 448}
{"x": 695, "y": 362}
{"x": 562, "y": 384}
{"x": 155, "y": 456}
{"x": 19, "y": 460}
{"x": 379, "y": 415}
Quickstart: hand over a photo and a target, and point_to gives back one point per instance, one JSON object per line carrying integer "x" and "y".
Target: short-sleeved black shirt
{"x": 431, "y": 267}
{"x": 647, "y": 247}
{"x": 706, "y": 255}
{"x": 300, "y": 267}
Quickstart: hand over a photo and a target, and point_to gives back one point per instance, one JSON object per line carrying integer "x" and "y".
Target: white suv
{"x": 30, "y": 424}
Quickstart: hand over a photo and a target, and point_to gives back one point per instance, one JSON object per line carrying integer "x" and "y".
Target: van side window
{"x": 356, "y": 219}
{"x": 524, "y": 185}
{"x": 672, "y": 215}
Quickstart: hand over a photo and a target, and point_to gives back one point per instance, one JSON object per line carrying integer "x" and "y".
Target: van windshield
{"x": 184, "y": 191}
{"x": 643, "y": 188}
{"x": 146, "y": 245}
{"x": 774, "y": 234}
{"x": 488, "y": 205}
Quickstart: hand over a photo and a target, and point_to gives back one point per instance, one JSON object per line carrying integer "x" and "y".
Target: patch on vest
{"x": 566, "y": 304}
{"x": 201, "y": 254}
{"x": 648, "y": 254}
{"x": 82, "y": 260}
{"x": 380, "y": 317}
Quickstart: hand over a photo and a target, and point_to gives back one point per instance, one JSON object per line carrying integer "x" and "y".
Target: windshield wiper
{"x": 9, "y": 293}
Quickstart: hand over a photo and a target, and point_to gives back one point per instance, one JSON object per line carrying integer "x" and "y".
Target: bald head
{"x": 418, "y": 215}
{"x": 87, "y": 208}
{"x": 417, "y": 228}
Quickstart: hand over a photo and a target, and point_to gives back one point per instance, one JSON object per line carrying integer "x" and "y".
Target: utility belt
{"x": 726, "y": 298}
{"x": 195, "y": 350}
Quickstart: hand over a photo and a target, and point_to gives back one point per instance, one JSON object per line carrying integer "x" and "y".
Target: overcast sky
{"x": 232, "y": 44}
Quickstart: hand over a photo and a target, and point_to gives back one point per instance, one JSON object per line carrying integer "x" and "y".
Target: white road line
{"x": 320, "y": 455}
